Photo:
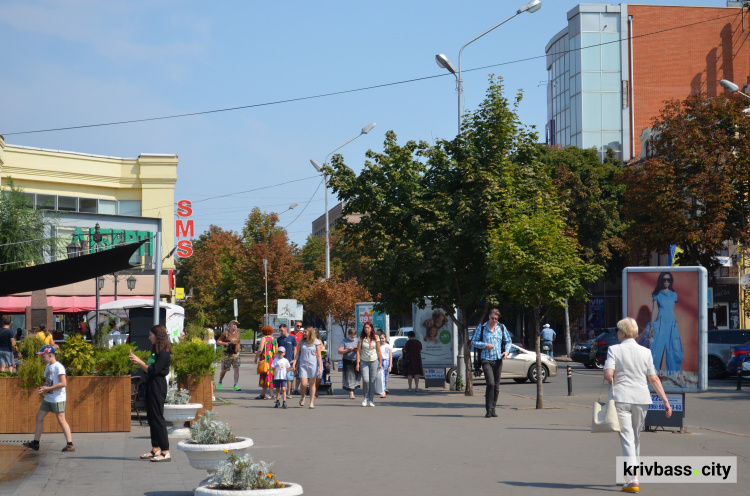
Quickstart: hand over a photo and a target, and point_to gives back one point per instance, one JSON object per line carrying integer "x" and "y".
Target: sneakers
{"x": 364, "y": 402}
{"x": 283, "y": 405}
{"x": 237, "y": 388}
{"x": 218, "y": 386}
{"x": 277, "y": 404}
{"x": 371, "y": 403}
{"x": 32, "y": 444}
{"x": 69, "y": 448}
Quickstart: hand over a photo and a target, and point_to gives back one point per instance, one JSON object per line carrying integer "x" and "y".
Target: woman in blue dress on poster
{"x": 666, "y": 336}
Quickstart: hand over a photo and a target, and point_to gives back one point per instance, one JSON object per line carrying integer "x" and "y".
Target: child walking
{"x": 53, "y": 391}
{"x": 280, "y": 366}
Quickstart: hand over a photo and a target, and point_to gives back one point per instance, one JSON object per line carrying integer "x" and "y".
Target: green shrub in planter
{"x": 31, "y": 368}
{"x": 193, "y": 357}
{"x": 116, "y": 360}
{"x": 77, "y": 356}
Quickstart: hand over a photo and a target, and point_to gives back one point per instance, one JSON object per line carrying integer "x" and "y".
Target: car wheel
{"x": 597, "y": 365}
{"x": 716, "y": 369}
{"x": 521, "y": 380}
{"x": 588, "y": 365}
{"x": 452, "y": 372}
{"x": 532, "y": 373}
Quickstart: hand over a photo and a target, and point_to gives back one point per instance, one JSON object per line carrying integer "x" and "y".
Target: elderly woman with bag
{"x": 348, "y": 349}
{"x": 630, "y": 368}
{"x": 264, "y": 357}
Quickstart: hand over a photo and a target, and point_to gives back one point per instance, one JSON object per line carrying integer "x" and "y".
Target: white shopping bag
{"x": 379, "y": 386}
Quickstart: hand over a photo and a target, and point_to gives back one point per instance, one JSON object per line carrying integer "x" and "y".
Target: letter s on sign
{"x": 184, "y": 208}
{"x": 184, "y": 248}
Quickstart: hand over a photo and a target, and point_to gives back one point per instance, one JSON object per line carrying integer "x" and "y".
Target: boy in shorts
{"x": 280, "y": 367}
{"x": 53, "y": 391}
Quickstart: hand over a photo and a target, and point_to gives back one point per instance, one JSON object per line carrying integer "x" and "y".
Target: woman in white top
{"x": 630, "y": 368}
{"x": 308, "y": 363}
{"x": 387, "y": 353}
{"x": 369, "y": 361}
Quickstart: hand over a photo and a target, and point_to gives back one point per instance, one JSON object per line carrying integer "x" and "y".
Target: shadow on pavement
{"x": 557, "y": 485}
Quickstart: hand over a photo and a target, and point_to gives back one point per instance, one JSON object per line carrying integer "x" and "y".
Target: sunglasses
{"x": 667, "y": 280}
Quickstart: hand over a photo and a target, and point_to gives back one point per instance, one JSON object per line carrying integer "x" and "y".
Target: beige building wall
{"x": 334, "y": 214}
{"x": 149, "y": 178}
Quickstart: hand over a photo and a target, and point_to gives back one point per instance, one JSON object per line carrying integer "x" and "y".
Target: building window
{"x": 67, "y": 203}
{"x": 46, "y": 202}
{"x": 107, "y": 207}
{"x": 87, "y": 205}
{"x": 130, "y": 207}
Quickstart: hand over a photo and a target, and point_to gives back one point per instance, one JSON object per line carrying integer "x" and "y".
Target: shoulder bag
{"x": 263, "y": 363}
{"x": 605, "y": 417}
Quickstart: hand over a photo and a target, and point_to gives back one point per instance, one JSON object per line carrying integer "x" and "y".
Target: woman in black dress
{"x": 157, "y": 369}
{"x": 413, "y": 353}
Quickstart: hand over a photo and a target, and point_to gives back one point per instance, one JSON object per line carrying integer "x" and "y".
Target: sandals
{"x": 302, "y": 402}
{"x": 151, "y": 454}
{"x": 162, "y": 458}
{"x": 631, "y": 487}
{"x": 260, "y": 397}
{"x": 311, "y": 407}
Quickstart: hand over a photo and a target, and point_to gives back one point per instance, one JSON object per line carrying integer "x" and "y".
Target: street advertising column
{"x": 437, "y": 332}
{"x": 670, "y": 306}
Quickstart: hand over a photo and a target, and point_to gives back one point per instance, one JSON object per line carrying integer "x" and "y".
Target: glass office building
{"x": 587, "y": 96}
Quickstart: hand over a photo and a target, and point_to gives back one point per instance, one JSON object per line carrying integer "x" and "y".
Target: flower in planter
{"x": 242, "y": 473}
{"x": 177, "y": 396}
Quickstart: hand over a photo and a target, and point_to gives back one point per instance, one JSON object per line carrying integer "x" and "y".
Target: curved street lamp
{"x": 319, "y": 168}
{"x": 443, "y": 62}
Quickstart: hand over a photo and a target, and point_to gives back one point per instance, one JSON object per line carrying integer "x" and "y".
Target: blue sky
{"x": 80, "y": 62}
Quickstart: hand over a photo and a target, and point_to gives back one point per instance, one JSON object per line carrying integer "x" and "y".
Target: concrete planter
{"x": 178, "y": 415}
{"x": 208, "y": 456}
{"x": 291, "y": 489}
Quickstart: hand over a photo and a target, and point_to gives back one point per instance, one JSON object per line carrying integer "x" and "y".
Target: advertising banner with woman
{"x": 437, "y": 333}
{"x": 669, "y": 305}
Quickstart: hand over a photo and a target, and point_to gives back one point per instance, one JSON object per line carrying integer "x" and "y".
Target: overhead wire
{"x": 343, "y": 92}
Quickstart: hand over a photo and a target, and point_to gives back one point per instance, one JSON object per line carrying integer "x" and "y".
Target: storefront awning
{"x": 61, "y": 304}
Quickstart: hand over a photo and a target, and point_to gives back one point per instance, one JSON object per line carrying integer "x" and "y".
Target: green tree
{"x": 694, "y": 189}
{"x": 533, "y": 261}
{"x": 431, "y": 211}
{"x": 24, "y": 231}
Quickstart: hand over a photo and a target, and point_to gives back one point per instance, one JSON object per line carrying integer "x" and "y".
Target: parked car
{"x": 719, "y": 349}
{"x": 600, "y": 345}
{"x": 740, "y": 354}
{"x": 397, "y": 342}
{"x": 581, "y": 353}
{"x": 401, "y": 331}
{"x": 519, "y": 366}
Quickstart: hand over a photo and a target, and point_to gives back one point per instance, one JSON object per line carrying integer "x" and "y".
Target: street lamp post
{"x": 443, "y": 61}
{"x": 319, "y": 168}
{"x": 265, "y": 277}
{"x": 97, "y": 239}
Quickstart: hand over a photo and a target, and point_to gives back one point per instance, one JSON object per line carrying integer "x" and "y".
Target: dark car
{"x": 600, "y": 345}
{"x": 720, "y": 344}
{"x": 396, "y": 365}
{"x": 581, "y": 353}
{"x": 740, "y": 354}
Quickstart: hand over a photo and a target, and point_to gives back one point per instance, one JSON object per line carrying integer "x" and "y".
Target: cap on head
{"x": 234, "y": 322}
{"x": 280, "y": 349}
{"x": 47, "y": 348}
{"x": 545, "y": 325}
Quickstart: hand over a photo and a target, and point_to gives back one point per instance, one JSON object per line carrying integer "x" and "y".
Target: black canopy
{"x": 68, "y": 271}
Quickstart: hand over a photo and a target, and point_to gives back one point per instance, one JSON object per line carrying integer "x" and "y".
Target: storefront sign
{"x": 113, "y": 237}
{"x": 184, "y": 228}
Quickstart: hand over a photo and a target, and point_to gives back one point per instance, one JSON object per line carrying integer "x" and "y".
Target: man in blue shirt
{"x": 548, "y": 336}
{"x": 493, "y": 339}
{"x": 289, "y": 343}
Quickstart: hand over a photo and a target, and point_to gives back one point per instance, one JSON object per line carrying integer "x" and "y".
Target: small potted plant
{"x": 240, "y": 476}
{"x": 177, "y": 408}
{"x": 209, "y": 439}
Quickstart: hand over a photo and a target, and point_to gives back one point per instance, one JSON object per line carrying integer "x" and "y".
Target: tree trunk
{"x": 463, "y": 336}
{"x": 567, "y": 329}
{"x": 538, "y": 348}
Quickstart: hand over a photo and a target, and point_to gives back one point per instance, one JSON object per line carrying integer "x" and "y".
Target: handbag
{"x": 262, "y": 367}
{"x": 379, "y": 383}
{"x": 605, "y": 417}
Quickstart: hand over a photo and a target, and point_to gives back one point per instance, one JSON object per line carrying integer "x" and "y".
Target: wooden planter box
{"x": 200, "y": 392}
{"x": 94, "y": 404}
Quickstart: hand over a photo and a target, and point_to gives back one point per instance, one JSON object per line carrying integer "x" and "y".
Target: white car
{"x": 397, "y": 342}
{"x": 519, "y": 366}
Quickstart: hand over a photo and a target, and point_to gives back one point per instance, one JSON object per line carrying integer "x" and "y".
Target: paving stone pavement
{"x": 434, "y": 442}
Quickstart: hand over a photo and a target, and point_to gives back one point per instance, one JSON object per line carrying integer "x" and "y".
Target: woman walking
{"x": 387, "y": 353}
{"x": 369, "y": 361}
{"x": 308, "y": 362}
{"x": 412, "y": 354}
{"x": 348, "y": 349}
{"x": 266, "y": 352}
{"x": 157, "y": 369}
{"x": 630, "y": 368}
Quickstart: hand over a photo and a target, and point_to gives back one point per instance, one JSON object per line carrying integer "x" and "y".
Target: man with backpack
{"x": 492, "y": 341}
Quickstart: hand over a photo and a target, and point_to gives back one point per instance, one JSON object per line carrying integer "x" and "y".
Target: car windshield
{"x": 399, "y": 343}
